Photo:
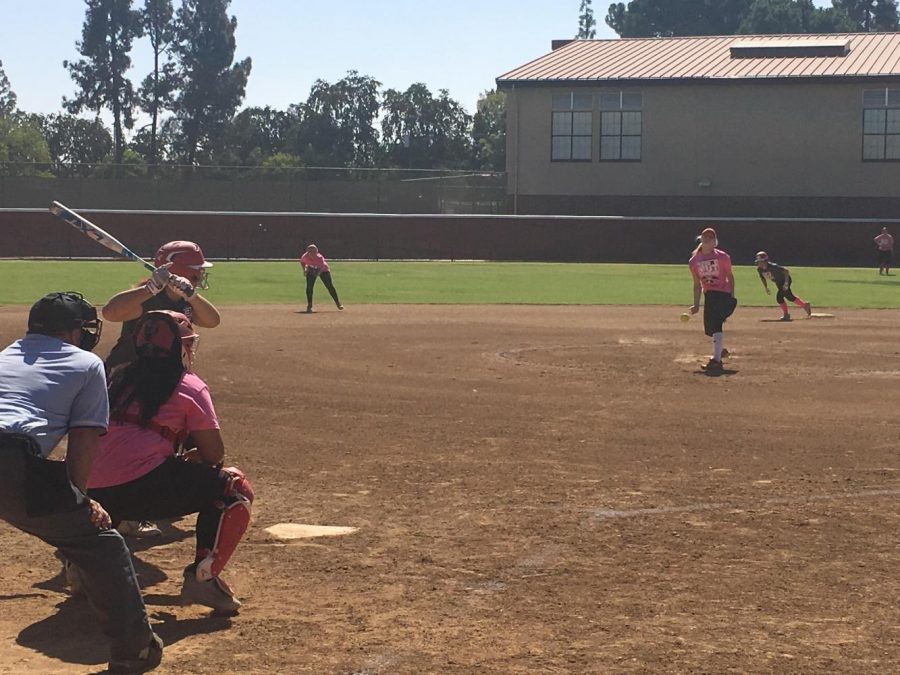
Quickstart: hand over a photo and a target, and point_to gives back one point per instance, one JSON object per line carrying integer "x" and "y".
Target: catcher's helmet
{"x": 187, "y": 261}
{"x": 165, "y": 334}
{"x": 761, "y": 256}
{"x": 63, "y": 311}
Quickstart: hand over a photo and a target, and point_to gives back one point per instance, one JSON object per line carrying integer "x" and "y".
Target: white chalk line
{"x": 613, "y": 514}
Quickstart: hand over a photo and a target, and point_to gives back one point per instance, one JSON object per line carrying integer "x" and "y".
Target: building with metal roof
{"x": 747, "y": 125}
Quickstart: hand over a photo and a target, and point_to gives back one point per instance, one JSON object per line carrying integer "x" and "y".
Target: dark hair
{"x": 149, "y": 382}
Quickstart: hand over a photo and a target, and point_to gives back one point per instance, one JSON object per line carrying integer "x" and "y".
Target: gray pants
{"x": 101, "y": 555}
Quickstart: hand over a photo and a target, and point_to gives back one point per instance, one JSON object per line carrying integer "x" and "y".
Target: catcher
{"x": 781, "y": 277}
{"x": 315, "y": 265}
{"x": 155, "y": 402}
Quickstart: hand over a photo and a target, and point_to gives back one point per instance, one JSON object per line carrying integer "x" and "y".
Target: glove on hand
{"x": 181, "y": 286}
{"x": 786, "y": 287}
{"x": 158, "y": 280}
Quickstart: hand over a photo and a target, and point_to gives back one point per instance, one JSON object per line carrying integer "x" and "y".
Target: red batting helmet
{"x": 163, "y": 334}
{"x": 187, "y": 261}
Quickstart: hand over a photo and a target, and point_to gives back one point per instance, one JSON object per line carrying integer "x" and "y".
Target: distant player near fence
{"x": 884, "y": 242}
{"x": 711, "y": 269}
{"x": 315, "y": 266}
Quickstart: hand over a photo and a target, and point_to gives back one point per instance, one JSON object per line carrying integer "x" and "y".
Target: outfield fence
{"x": 34, "y": 233}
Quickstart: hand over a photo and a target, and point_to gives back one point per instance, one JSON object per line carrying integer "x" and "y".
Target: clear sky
{"x": 458, "y": 45}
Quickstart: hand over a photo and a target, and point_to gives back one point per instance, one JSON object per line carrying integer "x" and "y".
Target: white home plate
{"x": 298, "y": 531}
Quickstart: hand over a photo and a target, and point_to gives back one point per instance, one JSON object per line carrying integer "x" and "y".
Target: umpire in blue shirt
{"x": 51, "y": 385}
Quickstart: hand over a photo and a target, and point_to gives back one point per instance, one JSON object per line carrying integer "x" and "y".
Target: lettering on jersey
{"x": 708, "y": 270}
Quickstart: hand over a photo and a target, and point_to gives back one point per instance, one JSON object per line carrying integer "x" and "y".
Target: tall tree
{"x": 109, "y": 28}
{"x": 7, "y": 95}
{"x": 158, "y": 88}
{"x": 213, "y": 86}
{"x": 586, "y": 21}
{"x": 657, "y": 18}
{"x": 871, "y": 15}
{"x": 766, "y": 17}
{"x": 337, "y": 122}
{"x": 421, "y": 131}
{"x": 255, "y": 134}
{"x": 489, "y": 131}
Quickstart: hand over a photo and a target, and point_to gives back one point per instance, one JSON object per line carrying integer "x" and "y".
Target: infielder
{"x": 781, "y": 277}
{"x": 315, "y": 265}
{"x": 52, "y": 386}
{"x": 183, "y": 263}
{"x": 711, "y": 269}
{"x": 156, "y": 401}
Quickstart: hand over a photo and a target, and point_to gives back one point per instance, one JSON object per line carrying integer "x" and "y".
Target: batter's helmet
{"x": 187, "y": 261}
{"x": 761, "y": 256}
{"x": 63, "y": 311}
{"x": 165, "y": 334}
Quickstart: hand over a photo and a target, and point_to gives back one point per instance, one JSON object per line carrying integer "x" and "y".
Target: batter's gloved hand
{"x": 158, "y": 279}
{"x": 181, "y": 286}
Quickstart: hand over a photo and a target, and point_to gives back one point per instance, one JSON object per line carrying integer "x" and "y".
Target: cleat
{"x": 213, "y": 593}
{"x": 74, "y": 580}
{"x": 808, "y": 308}
{"x": 786, "y": 317}
{"x": 147, "y": 659}
{"x": 340, "y": 307}
{"x": 142, "y": 529}
{"x": 712, "y": 366}
{"x": 309, "y": 310}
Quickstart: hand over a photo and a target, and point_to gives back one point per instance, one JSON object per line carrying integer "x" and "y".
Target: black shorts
{"x": 717, "y": 307}
{"x": 884, "y": 257}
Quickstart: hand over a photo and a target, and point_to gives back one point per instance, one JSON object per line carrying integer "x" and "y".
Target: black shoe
{"x": 147, "y": 659}
{"x": 712, "y": 366}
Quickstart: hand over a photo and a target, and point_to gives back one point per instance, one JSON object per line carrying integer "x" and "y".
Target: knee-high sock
{"x": 717, "y": 346}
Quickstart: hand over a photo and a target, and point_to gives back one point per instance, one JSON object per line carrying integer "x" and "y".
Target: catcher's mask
{"x": 187, "y": 261}
{"x": 164, "y": 334}
{"x": 64, "y": 311}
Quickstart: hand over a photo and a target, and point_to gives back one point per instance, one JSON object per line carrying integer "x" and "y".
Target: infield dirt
{"x": 538, "y": 489}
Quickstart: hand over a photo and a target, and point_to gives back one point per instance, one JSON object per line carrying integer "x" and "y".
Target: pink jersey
{"x": 713, "y": 271}
{"x": 128, "y": 452}
{"x": 314, "y": 260}
{"x": 884, "y": 242}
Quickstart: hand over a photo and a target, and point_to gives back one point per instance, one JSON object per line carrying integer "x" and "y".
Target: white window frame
{"x": 881, "y": 125}
{"x": 621, "y": 123}
{"x": 571, "y": 127}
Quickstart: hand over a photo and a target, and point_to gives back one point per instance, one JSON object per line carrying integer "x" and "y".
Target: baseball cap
{"x": 762, "y": 255}
{"x": 59, "y": 312}
{"x": 709, "y": 232}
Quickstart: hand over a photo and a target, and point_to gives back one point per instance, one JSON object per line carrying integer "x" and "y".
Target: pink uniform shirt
{"x": 128, "y": 452}
{"x": 318, "y": 261}
{"x": 884, "y": 242}
{"x": 713, "y": 271}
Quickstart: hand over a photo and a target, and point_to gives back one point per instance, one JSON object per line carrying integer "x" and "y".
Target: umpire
{"x": 51, "y": 386}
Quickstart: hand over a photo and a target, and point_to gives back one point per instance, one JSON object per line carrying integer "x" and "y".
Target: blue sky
{"x": 458, "y": 45}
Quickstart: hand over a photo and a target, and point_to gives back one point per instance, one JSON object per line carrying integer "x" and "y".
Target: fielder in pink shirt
{"x": 711, "y": 269}
{"x": 314, "y": 266}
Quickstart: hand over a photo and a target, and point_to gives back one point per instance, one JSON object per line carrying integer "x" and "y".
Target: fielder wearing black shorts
{"x": 711, "y": 270}
{"x": 781, "y": 277}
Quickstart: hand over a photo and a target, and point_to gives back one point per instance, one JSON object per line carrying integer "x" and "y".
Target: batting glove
{"x": 181, "y": 286}
{"x": 158, "y": 280}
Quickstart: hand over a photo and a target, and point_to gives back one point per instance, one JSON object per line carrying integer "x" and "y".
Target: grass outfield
{"x": 452, "y": 283}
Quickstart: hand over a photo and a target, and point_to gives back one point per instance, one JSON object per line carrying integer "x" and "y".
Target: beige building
{"x": 783, "y": 126}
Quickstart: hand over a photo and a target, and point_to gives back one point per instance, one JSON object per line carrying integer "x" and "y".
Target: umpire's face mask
{"x": 91, "y": 327}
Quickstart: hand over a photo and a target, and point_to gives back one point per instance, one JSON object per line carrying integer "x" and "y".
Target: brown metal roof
{"x": 712, "y": 58}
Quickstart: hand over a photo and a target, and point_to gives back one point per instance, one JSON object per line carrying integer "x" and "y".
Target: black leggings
{"x": 326, "y": 279}
{"x": 174, "y": 488}
{"x": 717, "y": 307}
{"x": 785, "y": 294}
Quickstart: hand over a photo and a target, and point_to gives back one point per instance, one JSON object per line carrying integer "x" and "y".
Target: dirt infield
{"x": 537, "y": 490}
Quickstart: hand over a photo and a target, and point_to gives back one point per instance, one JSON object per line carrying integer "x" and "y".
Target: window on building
{"x": 881, "y": 125}
{"x": 572, "y": 127}
{"x": 620, "y": 126}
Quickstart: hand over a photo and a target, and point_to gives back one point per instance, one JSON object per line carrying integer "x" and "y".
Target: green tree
{"x": 75, "y": 145}
{"x": 212, "y": 85}
{"x": 586, "y": 21}
{"x": 765, "y": 17}
{"x": 7, "y": 95}
{"x": 871, "y": 15}
{"x": 656, "y": 18}
{"x": 23, "y": 150}
{"x": 421, "y": 131}
{"x": 109, "y": 28}
{"x": 157, "y": 91}
{"x": 489, "y": 131}
{"x": 255, "y": 134}
{"x": 336, "y": 124}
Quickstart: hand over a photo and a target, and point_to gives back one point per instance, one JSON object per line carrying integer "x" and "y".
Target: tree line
{"x": 669, "y": 18}
{"x": 191, "y": 100}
